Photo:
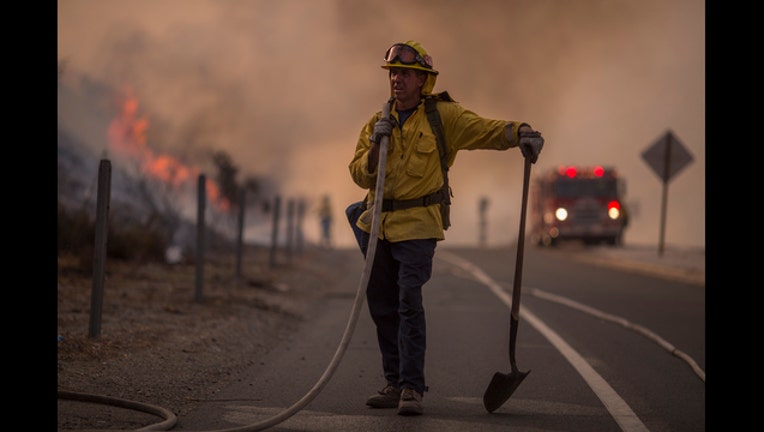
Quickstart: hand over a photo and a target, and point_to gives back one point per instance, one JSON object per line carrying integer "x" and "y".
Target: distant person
{"x": 325, "y": 219}
{"x": 411, "y": 222}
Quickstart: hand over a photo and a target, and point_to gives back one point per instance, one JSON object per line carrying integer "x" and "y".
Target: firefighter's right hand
{"x": 383, "y": 127}
{"x": 531, "y": 143}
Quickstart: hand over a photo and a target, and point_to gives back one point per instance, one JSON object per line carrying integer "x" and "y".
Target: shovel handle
{"x": 515, "y": 318}
{"x": 521, "y": 243}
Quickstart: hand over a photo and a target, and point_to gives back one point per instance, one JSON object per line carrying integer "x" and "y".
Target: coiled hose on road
{"x": 171, "y": 419}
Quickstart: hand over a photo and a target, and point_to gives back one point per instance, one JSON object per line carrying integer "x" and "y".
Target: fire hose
{"x": 171, "y": 419}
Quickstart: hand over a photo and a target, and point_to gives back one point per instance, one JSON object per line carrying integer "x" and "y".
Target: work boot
{"x": 410, "y": 403}
{"x": 386, "y": 398}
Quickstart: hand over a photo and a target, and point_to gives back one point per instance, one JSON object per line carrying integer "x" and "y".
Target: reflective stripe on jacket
{"x": 413, "y": 165}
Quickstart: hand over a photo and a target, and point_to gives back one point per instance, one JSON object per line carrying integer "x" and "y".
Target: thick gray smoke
{"x": 284, "y": 87}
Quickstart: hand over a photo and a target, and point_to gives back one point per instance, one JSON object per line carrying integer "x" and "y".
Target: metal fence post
{"x": 240, "y": 233}
{"x": 290, "y": 230}
{"x": 99, "y": 250}
{"x": 275, "y": 232}
{"x": 200, "y": 236}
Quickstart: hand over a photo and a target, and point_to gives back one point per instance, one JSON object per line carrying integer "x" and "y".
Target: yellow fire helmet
{"x": 411, "y": 55}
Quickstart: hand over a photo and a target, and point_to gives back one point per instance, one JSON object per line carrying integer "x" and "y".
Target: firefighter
{"x": 325, "y": 220}
{"x": 407, "y": 236}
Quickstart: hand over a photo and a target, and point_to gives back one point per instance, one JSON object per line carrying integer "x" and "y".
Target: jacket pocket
{"x": 421, "y": 156}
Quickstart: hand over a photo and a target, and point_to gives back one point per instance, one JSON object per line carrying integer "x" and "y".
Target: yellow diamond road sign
{"x": 667, "y": 156}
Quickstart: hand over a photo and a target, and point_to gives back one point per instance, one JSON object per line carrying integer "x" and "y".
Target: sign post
{"x": 666, "y": 156}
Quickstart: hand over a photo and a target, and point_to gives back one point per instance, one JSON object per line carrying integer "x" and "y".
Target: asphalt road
{"x": 614, "y": 339}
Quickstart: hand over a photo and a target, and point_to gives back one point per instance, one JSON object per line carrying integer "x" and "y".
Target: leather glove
{"x": 531, "y": 143}
{"x": 383, "y": 127}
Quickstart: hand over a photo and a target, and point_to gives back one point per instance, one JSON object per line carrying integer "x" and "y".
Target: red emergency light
{"x": 571, "y": 171}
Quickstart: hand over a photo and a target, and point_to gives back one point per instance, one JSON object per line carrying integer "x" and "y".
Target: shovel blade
{"x": 501, "y": 388}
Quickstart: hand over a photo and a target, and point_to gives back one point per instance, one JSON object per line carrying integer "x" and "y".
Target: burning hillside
{"x": 153, "y": 190}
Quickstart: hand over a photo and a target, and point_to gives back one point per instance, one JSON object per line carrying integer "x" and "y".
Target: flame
{"x": 127, "y": 136}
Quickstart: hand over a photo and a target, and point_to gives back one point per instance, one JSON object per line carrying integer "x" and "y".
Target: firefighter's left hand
{"x": 531, "y": 143}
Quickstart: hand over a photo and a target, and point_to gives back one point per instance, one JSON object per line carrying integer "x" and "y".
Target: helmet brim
{"x": 411, "y": 66}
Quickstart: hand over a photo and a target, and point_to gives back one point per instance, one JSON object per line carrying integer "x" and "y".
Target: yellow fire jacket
{"x": 413, "y": 165}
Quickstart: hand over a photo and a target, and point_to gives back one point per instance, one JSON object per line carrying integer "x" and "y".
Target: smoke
{"x": 284, "y": 88}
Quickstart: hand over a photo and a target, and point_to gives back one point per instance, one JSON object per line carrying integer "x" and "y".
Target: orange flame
{"x": 127, "y": 136}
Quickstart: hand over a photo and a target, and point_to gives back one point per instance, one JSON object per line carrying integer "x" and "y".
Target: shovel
{"x": 503, "y": 385}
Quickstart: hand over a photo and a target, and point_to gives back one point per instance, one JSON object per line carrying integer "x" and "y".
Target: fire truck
{"x": 581, "y": 203}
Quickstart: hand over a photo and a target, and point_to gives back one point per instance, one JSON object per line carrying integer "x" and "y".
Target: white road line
{"x": 618, "y": 408}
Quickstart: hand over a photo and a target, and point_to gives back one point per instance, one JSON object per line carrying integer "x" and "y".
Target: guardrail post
{"x": 200, "y": 236}
{"x": 99, "y": 250}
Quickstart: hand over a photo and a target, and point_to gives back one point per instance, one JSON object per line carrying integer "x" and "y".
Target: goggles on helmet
{"x": 407, "y": 55}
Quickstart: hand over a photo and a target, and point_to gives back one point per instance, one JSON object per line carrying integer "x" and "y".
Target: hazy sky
{"x": 285, "y": 86}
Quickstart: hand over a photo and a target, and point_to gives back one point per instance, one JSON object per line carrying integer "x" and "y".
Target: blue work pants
{"x": 394, "y": 297}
